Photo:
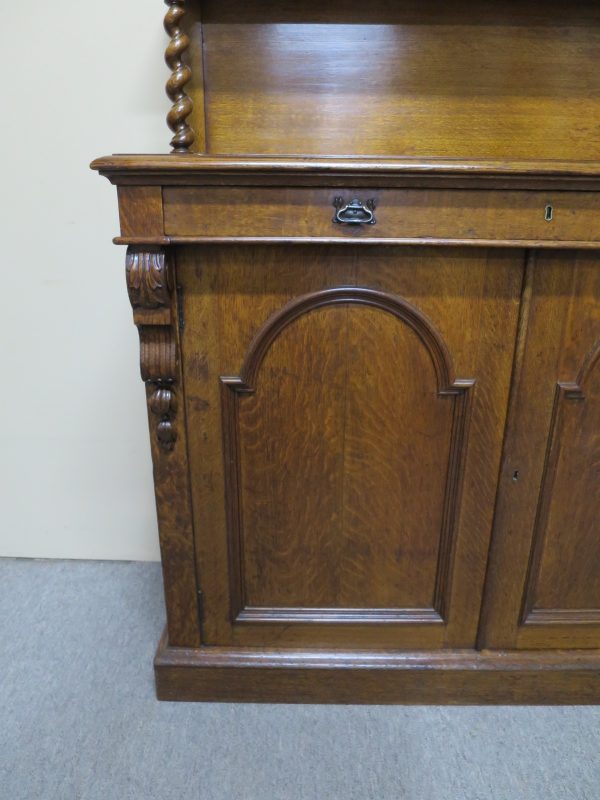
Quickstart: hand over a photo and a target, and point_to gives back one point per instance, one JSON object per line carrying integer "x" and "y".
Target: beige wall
{"x": 80, "y": 80}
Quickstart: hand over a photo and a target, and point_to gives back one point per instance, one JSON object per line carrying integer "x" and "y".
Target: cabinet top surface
{"x": 195, "y": 168}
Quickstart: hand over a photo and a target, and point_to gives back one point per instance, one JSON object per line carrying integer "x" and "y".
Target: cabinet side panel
{"x": 151, "y": 280}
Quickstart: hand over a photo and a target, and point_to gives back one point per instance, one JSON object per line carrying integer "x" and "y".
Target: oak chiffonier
{"x": 366, "y": 282}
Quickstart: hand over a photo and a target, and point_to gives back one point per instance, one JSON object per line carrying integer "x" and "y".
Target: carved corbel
{"x": 150, "y": 288}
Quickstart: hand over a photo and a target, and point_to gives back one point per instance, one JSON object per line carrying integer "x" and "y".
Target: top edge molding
{"x": 184, "y": 169}
{"x": 291, "y": 164}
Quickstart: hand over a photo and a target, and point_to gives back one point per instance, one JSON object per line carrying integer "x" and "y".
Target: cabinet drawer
{"x": 400, "y": 214}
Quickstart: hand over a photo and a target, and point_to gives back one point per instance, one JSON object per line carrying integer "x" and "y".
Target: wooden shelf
{"x": 508, "y": 80}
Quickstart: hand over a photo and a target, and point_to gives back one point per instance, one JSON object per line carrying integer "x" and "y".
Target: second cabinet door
{"x": 544, "y": 579}
{"x": 345, "y": 411}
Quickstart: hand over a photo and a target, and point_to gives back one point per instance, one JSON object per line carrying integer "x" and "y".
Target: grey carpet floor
{"x": 79, "y": 721}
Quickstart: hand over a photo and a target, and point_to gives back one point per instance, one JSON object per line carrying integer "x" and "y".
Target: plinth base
{"x": 316, "y": 676}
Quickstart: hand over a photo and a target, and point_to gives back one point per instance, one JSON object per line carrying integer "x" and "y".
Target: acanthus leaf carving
{"x": 148, "y": 278}
{"x": 150, "y": 285}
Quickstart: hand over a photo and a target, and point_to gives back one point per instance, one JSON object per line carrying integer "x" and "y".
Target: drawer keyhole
{"x": 549, "y": 213}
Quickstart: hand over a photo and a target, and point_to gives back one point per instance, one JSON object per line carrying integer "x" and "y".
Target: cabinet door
{"x": 544, "y": 579}
{"x": 345, "y": 409}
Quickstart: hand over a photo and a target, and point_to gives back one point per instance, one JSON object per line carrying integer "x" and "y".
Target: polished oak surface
{"x": 206, "y": 169}
{"x": 455, "y": 677}
{"x": 460, "y": 79}
{"x": 366, "y": 286}
{"x": 544, "y": 586}
{"x": 410, "y": 214}
{"x": 346, "y": 478}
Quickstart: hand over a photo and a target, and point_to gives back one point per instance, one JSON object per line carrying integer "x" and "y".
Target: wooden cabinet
{"x": 373, "y": 379}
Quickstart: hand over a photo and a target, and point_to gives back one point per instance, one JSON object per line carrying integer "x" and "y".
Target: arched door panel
{"x": 345, "y": 439}
{"x": 339, "y": 490}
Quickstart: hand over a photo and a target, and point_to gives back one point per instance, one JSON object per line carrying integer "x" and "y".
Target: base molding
{"x": 457, "y": 677}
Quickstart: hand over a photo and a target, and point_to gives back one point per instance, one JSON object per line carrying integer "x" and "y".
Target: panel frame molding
{"x": 235, "y": 387}
{"x": 566, "y": 392}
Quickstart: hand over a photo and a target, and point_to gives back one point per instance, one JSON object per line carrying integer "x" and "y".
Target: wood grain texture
{"x": 332, "y": 469}
{"x": 410, "y": 213}
{"x": 565, "y": 573}
{"x": 195, "y": 88}
{"x": 334, "y": 676}
{"x": 141, "y": 212}
{"x": 548, "y": 505}
{"x": 322, "y": 429}
{"x": 502, "y": 173}
{"x": 412, "y": 79}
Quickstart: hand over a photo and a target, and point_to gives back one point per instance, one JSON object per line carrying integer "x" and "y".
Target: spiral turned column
{"x": 182, "y": 106}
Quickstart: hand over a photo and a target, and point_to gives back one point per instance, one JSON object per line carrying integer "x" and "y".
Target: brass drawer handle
{"x": 354, "y": 212}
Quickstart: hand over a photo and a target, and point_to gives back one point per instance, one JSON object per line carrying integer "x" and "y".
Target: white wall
{"x": 80, "y": 80}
